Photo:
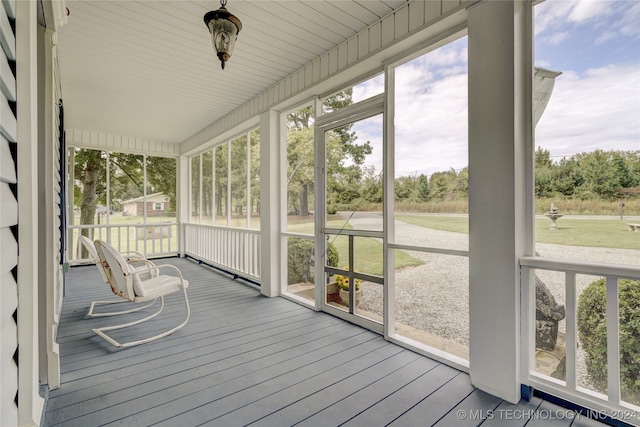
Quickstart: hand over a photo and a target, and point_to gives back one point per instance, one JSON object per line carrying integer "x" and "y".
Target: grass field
{"x": 600, "y": 233}
{"x": 368, "y": 251}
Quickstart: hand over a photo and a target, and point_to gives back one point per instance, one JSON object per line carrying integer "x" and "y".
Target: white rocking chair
{"x": 88, "y": 244}
{"x": 130, "y": 284}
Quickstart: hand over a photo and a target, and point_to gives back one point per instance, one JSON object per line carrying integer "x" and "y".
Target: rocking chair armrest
{"x": 144, "y": 260}
{"x": 136, "y": 253}
{"x": 156, "y": 267}
{"x": 152, "y": 269}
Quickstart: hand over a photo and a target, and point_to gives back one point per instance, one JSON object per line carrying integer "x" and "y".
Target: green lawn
{"x": 601, "y": 233}
{"x": 368, "y": 251}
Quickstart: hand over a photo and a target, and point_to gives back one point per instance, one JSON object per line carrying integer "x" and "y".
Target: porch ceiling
{"x": 147, "y": 69}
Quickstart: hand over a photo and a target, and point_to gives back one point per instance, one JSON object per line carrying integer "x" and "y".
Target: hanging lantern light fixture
{"x": 224, "y": 28}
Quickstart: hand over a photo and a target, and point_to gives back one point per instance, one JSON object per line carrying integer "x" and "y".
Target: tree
{"x": 238, "y": 173}
{"x": 566, "y": 177}
{"x": 600, "y": 177}
{"x": 126, "y": 172}
{"x": 422, "y": 188}
{"x": 597, "y": 174}
{"x": 89, "y": 171}
{"x": 300, "y": 168}
{"x": 221, "y": 155}
{"x": 542, "y": 158}
{"x": 345, "y": 157}
{"x": 255, "y": 171}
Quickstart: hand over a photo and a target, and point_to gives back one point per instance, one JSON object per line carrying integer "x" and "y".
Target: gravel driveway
{"x": 434, "y": 297}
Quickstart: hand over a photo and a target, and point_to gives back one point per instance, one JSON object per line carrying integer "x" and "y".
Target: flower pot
{"x": 332, "y": 288}
{"x": 344, "y": 296}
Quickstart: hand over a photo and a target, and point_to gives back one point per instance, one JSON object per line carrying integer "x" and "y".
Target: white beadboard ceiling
{"x": 147, "y": 69}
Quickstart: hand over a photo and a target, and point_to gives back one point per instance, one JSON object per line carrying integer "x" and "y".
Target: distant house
{"x": 157, "y": 204}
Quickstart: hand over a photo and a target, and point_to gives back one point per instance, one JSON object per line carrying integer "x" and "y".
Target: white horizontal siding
{"x": 391, "y": 29}
{"x": 8, "y": 125}
{"x": 7, "y": 80}
{"x": 9, "y": 339}
{"x": 7, "y": 166}
{"x": 9, "y": 206}
{"x": 8, "y": 251}
{"x": 110, "y": 142}
{"x": 10, "y": 8}
{"x": 9, "y": 300}
{"x": 7, "y": 38}
{"x": 8, "y": 218}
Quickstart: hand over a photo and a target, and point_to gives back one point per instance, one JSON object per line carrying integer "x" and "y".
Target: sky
{"x": 595, "y": 103}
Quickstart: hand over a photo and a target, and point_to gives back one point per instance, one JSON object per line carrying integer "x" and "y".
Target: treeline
{"x": 597, "y": 175}
{"x": 609, "y": 175}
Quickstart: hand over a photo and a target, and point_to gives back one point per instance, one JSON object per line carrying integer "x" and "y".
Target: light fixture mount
{"x": 224, "y": 28}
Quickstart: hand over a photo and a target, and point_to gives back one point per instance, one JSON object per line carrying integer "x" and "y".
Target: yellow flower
{"x": 343, "y": 281}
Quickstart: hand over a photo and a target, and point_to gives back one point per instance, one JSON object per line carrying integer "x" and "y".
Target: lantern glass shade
{"x": 224, "y": 29}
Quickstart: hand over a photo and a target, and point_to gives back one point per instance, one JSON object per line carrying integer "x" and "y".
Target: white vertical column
{"x": 389, "y": 293}
{"x": 30, "y": 404}
{"x": 269, "y": 205}
{"x": 183, "y": 203}
{"x": 50, "y": 269}
{"x": 499, "y": 33}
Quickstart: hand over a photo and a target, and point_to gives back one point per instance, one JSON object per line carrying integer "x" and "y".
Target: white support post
{"x": 498, "y": 36}
{"x": 389, "y": 293}
{"x": 184, "y": 207}
{"x": 613, "y": 340}
{"x": 30, "y": 404}
{"x": 269, "y": 205}
{"x": 50, "y": 269}
{"x": 571, "y": 299}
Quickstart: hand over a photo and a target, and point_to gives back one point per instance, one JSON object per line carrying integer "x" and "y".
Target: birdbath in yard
{"x": 553, "y": 214}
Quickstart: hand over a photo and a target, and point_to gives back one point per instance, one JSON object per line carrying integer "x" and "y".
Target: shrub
{"x": 592, "y": 329}
{"x": 301, "y": 266}
{"x": 333, "y": 257}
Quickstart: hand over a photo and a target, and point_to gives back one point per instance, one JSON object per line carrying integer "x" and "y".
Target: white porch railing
{"x": 570, "y": 389}
{"x": 151, "y": 239}
{"x": 236, "y": 250}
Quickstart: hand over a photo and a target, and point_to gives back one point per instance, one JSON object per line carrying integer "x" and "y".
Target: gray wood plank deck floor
{"x": 244, "y": 359}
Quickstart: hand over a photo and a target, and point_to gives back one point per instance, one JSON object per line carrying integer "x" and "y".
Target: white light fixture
{"x": 224, "y": 28}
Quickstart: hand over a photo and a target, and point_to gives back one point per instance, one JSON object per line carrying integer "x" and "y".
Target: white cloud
{"x": 628, "y": 23}
{"x": 595, "y": 109}
{"x": 600, "y": 109}
{"x": 431, "y": 127}
{"x": 605, "y": 37}
{"x": 369, "y": 88}
{"x": 556, "y": 38}
{"x": 559, "y": 19}
{"x": 585, "y": 10}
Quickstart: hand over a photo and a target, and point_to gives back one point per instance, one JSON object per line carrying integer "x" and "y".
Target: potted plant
{"x": 343, "y": 284}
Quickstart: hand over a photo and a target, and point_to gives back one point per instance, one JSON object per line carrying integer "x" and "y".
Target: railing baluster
{"x": 113, "y": 233}
{"x": 613, "y": 342}
{"x": 570, "y": 337}
{"x": 236, "y": 250}
{"x": 583, "y": 395}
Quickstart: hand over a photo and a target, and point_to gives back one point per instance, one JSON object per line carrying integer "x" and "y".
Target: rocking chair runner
{"x": 139, "y": 258}
{"x": 130, "y": 284}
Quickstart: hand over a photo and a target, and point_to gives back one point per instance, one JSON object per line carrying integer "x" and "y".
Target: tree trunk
{"x": 218, "y": 203}
{"x": 89, "y": 180}
{"x": 304, "y": 200}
